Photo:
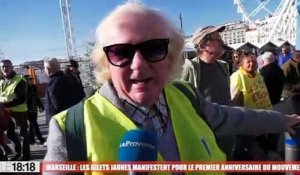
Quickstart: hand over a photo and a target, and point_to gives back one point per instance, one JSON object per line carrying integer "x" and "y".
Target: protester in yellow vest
{"x": 247, "y": 86}
{"x": 248, "y": 89}
{"x": 13, "y": 99}
{"x": 137, "y": 56}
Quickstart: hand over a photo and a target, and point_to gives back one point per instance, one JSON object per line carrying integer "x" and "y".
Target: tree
{"x": 89, "y": 48}
{"x": 87, "y": 68}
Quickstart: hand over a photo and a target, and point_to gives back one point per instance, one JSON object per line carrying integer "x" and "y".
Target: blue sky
{"x": 32, "y": 29}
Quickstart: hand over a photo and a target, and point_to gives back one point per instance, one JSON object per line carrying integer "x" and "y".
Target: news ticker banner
{"x": 110, "y": 167}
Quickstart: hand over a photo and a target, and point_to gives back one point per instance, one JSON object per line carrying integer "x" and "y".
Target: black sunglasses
{"x": 121, "y": 55}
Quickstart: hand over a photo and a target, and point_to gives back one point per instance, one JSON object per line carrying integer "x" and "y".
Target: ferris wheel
{"x": 274, "y": 20}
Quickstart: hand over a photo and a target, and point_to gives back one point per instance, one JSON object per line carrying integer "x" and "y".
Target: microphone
{"x": 138, "y": 145}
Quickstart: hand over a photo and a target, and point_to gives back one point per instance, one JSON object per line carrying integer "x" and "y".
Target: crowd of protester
{"x": 265, "y": 81}
{"x": 21, "y": 104}
{"x": 249, "y": 80}
{"x": 139, "y": 66}
{"x": 139, "y": 85}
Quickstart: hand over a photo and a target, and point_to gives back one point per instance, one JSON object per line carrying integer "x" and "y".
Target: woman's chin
{"x": 143, "y": 99}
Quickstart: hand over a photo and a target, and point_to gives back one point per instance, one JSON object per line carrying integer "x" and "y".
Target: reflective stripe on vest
{"x": 105, "y": 125}
{"x": 8, "y": 94}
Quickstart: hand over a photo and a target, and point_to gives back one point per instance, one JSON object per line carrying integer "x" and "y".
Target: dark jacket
{"x": 33, "y": 100}
{"x": 274, "y": 80}
{"x": 57, "y": 95}
{"x": 291, "y": 70}
{"x": 76, "y": 89}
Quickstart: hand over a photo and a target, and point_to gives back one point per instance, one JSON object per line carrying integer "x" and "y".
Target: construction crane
{"x": 68, "y": 29}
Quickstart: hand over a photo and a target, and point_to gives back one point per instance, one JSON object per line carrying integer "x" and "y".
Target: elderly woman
{"x": 247, "y": 85}
{"x": 248, "y": 89}
{"x": 137, "y": 55}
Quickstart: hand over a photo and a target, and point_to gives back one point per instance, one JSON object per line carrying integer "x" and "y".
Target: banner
{"x": 186, "y": 167}
{"x": 124, "y": 167}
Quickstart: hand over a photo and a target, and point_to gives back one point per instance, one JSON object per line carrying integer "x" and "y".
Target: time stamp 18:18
{"x": 19, "y": 166}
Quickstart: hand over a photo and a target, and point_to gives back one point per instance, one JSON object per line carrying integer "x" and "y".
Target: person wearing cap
{"x": 209, "y": 48}
{"x": 74, "y": 68}
{"x": 73, "y": 76}
{"x": 199, "y": 70}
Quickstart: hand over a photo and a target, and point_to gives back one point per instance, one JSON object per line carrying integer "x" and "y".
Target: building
{"x": 257, "y": 33}
{"x": 234, "y": 33}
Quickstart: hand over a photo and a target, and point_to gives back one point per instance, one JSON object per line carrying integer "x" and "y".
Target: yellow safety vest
{"x": 105, "y": 125}
{"x": 7, "y": 93}
{"x": 254, "y": 90}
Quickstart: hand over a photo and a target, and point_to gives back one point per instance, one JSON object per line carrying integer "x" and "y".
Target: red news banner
{"x": 278, "y": 166}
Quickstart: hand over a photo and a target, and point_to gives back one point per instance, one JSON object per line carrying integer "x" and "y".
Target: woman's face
{"x": 249, "y": 63}
{"x": 139, "y": 80}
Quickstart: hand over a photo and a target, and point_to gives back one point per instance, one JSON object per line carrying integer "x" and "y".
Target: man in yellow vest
{"x": 137, "y": 56}
{"x": 13, "y": 99}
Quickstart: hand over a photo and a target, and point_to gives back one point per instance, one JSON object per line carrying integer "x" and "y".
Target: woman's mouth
{"x": 140, "y": 81}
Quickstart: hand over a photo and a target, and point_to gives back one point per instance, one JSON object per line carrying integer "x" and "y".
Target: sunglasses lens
{"x": 154, "y": 50}
{"x": 120, "y": 54}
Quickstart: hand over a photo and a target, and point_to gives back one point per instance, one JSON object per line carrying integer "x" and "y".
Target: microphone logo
{"x": 136, "y": 144}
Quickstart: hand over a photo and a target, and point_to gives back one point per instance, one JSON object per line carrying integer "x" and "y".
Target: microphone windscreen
{"x": 138, "y": 145}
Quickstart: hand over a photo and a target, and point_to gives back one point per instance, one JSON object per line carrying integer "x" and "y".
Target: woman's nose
{"x": 138, "y": 61}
